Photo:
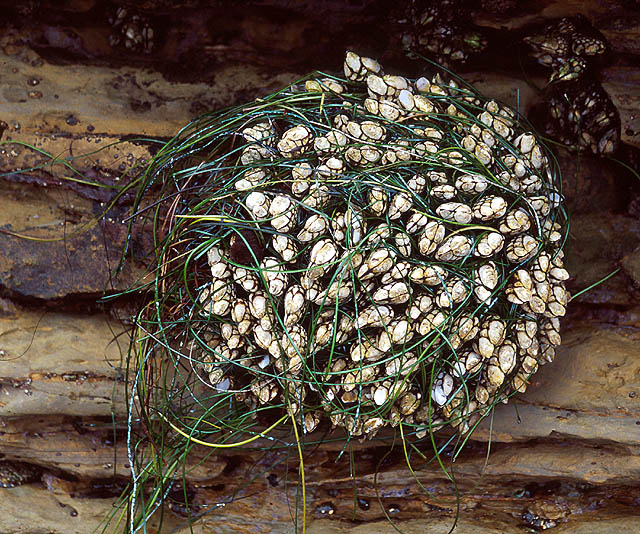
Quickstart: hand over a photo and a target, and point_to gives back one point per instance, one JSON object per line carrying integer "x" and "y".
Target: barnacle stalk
{"x": 339, "y": 260}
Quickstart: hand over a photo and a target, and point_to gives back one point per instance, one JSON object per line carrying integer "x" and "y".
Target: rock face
{"x": 566, "y": 454}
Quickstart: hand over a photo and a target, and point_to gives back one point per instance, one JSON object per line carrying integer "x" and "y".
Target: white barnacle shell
{"x": 294, "y": 305}
{"x": 357, "y": 68}
{"x": 417, "y": 184}
{"x": 265, "y": 390}
{"x": 379, "y": 261}
{"x": 378, "y": 201}
{"x": 338, "y": 228}
{"x": 377, "y": 87}
{"x": 318, "y": 197}
{"x": 442, "y": 388}
{"x": 398, "y": 151}
{"x": 489, "y": 244}
{"x": 285, "y": 246}
{"x": 217, "y": 298}
{"x": 540, "y": 267}
{"x": 261, "y": 132}
{"x": 259, "y": 304}
{"x": 294, "y": 344}
{"x": 254, "y": 154}
{"x": 314, "y": 227}
{"x": 485, "y": 278}
{"x": 250, "y": 179}
{"x": 400, "y": 331}
{"x": 422, "y": 84}
{"x": 395, "y": 84}
{"x": 492, "y": 334}
{"x": 469, "y": 142}
{"x": 312, "y": 287}
{"x": 390, "y": 110}
{"x": 283, "y": 212}
{"x": 399, "y": 271}
{"x": 374, "y": 316}
{"x": 483, "y": 154}
{"x": 471, "y": 184}
{"x": 330, "y": 168}
{"x": 323, "y": 334}
{"x": 394, "y": 293}
{"x": 295, "y": 141}
{"x": 371, "y": 425}
{"x": 406, "y": 100}
{"x": 365, "y": 350}
{"x": 489, "y": 208}
{"x": 431, "y": 237}
{"x": 219, "y": 267}
{"x": 241, "y": 315}
{"x": 301, "y": 174}
{"x": 323, "y": 253}
{"x": 258, "y": 204}
{"x": 521, "y": 248}
{"x": 454, "y": 248}
{"x": 373, "y": 131}
{"x": 379, "y": 234}
{"x": 232, "y": 336}
{"x": 421, "y": 305}
{"x": 356, "y": 226}
{"x": 445, "y": 298}
{"x": 495, "y": 375}
{"x": 274, "y": 274}
{"x": 558, "y": 300}
{"x": 465, "y": 328}
{"x": 402, "y": 242}
{"x": 400, "y": 203}
{"x": 245, "y": 278}
{"x": 455, "y": 211}
{"x": 339, "y": 290}
{"x": 540, "y": 204}
{"x": 416, "y": 222}
{"x": 332, "y": 142}
{"x": 537, "y": 158}
{"x": 519, "y": 289}
{"x": 515, "y": 222}
{"x": 525, "y": 331}
{"x": 507, "y": 357}
{"x": 423, "y": 104}
{"x": 443, "y": 192}
{"x": 323, "y": 85}
{"x": 430, "y": 275}
{"x": 363, "y": 155}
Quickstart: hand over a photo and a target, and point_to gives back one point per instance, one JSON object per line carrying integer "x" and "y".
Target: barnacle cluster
{"x": 581, "y": 113}
{"x": 440, "y": 30}
{"x": 14, "y": 473}
{"x": 400, "y": 258}
{"x": 131, "y": 30}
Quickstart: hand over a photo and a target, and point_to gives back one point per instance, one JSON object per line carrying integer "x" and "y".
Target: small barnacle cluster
{"x": 131, "y": 31}
{"x": 14, "y": 474}
{"x": 440, "y": 30}
{"x": 580, "y": 112}
{"x": 401, "y": 260}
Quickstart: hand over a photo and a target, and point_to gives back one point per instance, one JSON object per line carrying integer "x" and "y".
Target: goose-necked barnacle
{"x": 579, "y": 112}
{"x": 380, "y": 282}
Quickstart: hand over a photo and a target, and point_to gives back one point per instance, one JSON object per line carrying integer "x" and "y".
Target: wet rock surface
{"x": 565, "y": 455}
